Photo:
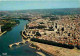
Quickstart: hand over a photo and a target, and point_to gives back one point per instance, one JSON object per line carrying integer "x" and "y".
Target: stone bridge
{"x": 18, "y": 43}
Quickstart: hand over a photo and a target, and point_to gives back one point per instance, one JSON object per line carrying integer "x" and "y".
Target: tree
{"x": 38, "y": 34}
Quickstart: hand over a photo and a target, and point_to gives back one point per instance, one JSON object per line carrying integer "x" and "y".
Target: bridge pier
{"x": 10, "y": 45}
{"x": 16, "y": 44}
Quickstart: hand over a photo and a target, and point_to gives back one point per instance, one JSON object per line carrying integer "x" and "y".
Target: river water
{"x": 14, "y": 36}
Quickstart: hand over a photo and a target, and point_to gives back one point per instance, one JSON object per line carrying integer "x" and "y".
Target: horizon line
{"x": 39, "y": 9}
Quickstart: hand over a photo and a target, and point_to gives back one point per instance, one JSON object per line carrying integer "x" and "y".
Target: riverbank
{"x": 3, "y": 33}
{"x": 8, "y": 24}
{"x": 53, "y": 50}
{"x": 35, "y": 47}
{"x": 7, "y": 30}
{"x": 57, "y": 51}
{"x": 40, "y": 53}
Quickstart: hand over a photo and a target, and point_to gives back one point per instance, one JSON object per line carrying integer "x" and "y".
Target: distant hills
{"x": 63, "y": 11}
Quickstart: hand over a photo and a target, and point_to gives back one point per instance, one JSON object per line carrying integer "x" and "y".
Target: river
{"x": 14, "y": 36}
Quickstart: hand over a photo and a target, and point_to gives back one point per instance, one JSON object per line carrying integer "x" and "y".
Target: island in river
{"x": 7, "y": 24}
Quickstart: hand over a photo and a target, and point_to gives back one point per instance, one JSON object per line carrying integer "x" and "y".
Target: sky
{"x": 37, "y": 4}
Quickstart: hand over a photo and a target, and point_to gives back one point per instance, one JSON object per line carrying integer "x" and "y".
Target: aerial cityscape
{"x": 40, "y": 28}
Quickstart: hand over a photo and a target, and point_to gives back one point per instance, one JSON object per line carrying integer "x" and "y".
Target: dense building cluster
{"x": 65, "y": 30}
